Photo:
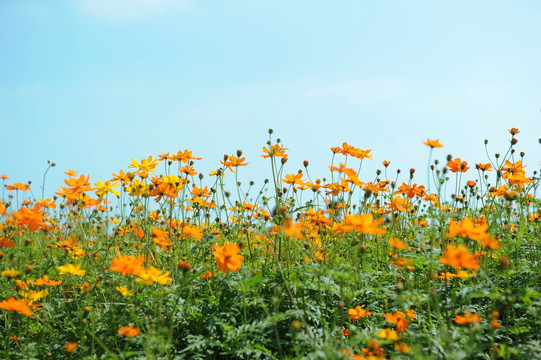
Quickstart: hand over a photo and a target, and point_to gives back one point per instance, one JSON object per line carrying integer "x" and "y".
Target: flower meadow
{"x": 163, "y": 262}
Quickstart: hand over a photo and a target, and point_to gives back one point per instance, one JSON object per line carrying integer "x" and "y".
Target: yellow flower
{"x": 10, "y": 274}
{"x": 71, "y": 269}
{"x": 388, "y": 334}
{"x": 102, "y": 189}
{"x": 124, "y": 291}
{"x": 33, "y": 296}
{"x": 152, "y": 275}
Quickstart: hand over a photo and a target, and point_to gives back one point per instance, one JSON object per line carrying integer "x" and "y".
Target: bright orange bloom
{"x": 466, "y": 228}
{"x": 45, "y": 281}
{"x": 71, "y": 346}
{"x": 519, "y": 179}
{"x": 160, "y": 238}
{"x": 353, "y": 151}
{"x": 124, "y": 178}
{"x": 490, "y": 242}
{"x": 47, "y": 203}
{"x": 483, "y": 167}
{"x": 207, "y": 275}
{"x": 275, "y": 150}
{"x": 129, "y": 331}
{"x": 467, "y": 318}
{"x": 5, "y": 242}
{"x": 79, "y": 185}
{"x": 127, "y": 264}
{"x": 188, "y": 170}
{"x": 460, "y": 274}
{"x": 457, "y": 165}
{"x": 4, "y": 177}
{"x": 233, "y": 162}
{"x": 71, "y": 173}
{"x": 433, "y": 143}
{"x": 460, "y": 258}
{"x": 184, "y": 156}
{"x": 397, "y": 243}
{"x": 411, "y": 190}
{"x": 191, "y": 231}
{"x": 364, "y": 223}
{"x": 357, "y": 313}
{"x": 398, "y": 203}
{"x": 293, "y": 179}
{"x": 201, "y": 192}
{"x": 32, "y": 218}
{"x": 18, "y": 186}
{"x": 402, "y": 347}
{"x": 514, "y": 131}
{"x": 20, "y": 306}
{"x": 227, "y": 257}
{"x": 398, "y": 318}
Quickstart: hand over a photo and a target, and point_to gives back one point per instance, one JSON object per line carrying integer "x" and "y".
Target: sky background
{"x": 91, "y": 84}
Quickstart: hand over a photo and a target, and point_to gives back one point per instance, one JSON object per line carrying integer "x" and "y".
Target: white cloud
{"x": 120, "y": 10}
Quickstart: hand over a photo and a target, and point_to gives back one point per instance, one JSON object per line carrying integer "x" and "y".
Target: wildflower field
{"x": 163, "y": 262}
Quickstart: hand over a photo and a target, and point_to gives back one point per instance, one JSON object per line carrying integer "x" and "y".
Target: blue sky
{"x": 91, "y": 84}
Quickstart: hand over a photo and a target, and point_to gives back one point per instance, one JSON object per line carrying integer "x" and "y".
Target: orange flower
{"x": 70, "y": 173}
{"x": 32, "y": 218}
{"x": 402, "y": 347}
{"x": 433, "y": 143}
{"x": 364, "y": 223}
{"x": 227, "y": 257}
{"x": 460, "y": 257}
{"x": 483, "y": 167}
{"x": 466, "y": 229}
{"x": 457, "y": 165}
{"x": 397, "y": 243}
{"x": 129, "y": 331}
{"x": 201, "y": 192}
{"x": 514, "y": 131}
{"x": 188, "y": 170}
{"x": 411, "y": 190}
{"x": 18, "y": 186}
{"x": 184, "y": 156}
{"x": 71, "y": 346}
{"x": 5, "y": 242}
{"x": 127, "y": 264}
{"x": 275, "y": 150}
{"x": 467, "y": 318}
{"x": 398, "y": 318}
{"x": 460, "y": 274}
{"x": 293, "y": 179}
{"x": 231, "y": 162}
{"x": 20, "y": 306}
{"x": 357, "y": 313}
{"x": 160, "y": 238}
{"x": 207, "y": 275}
